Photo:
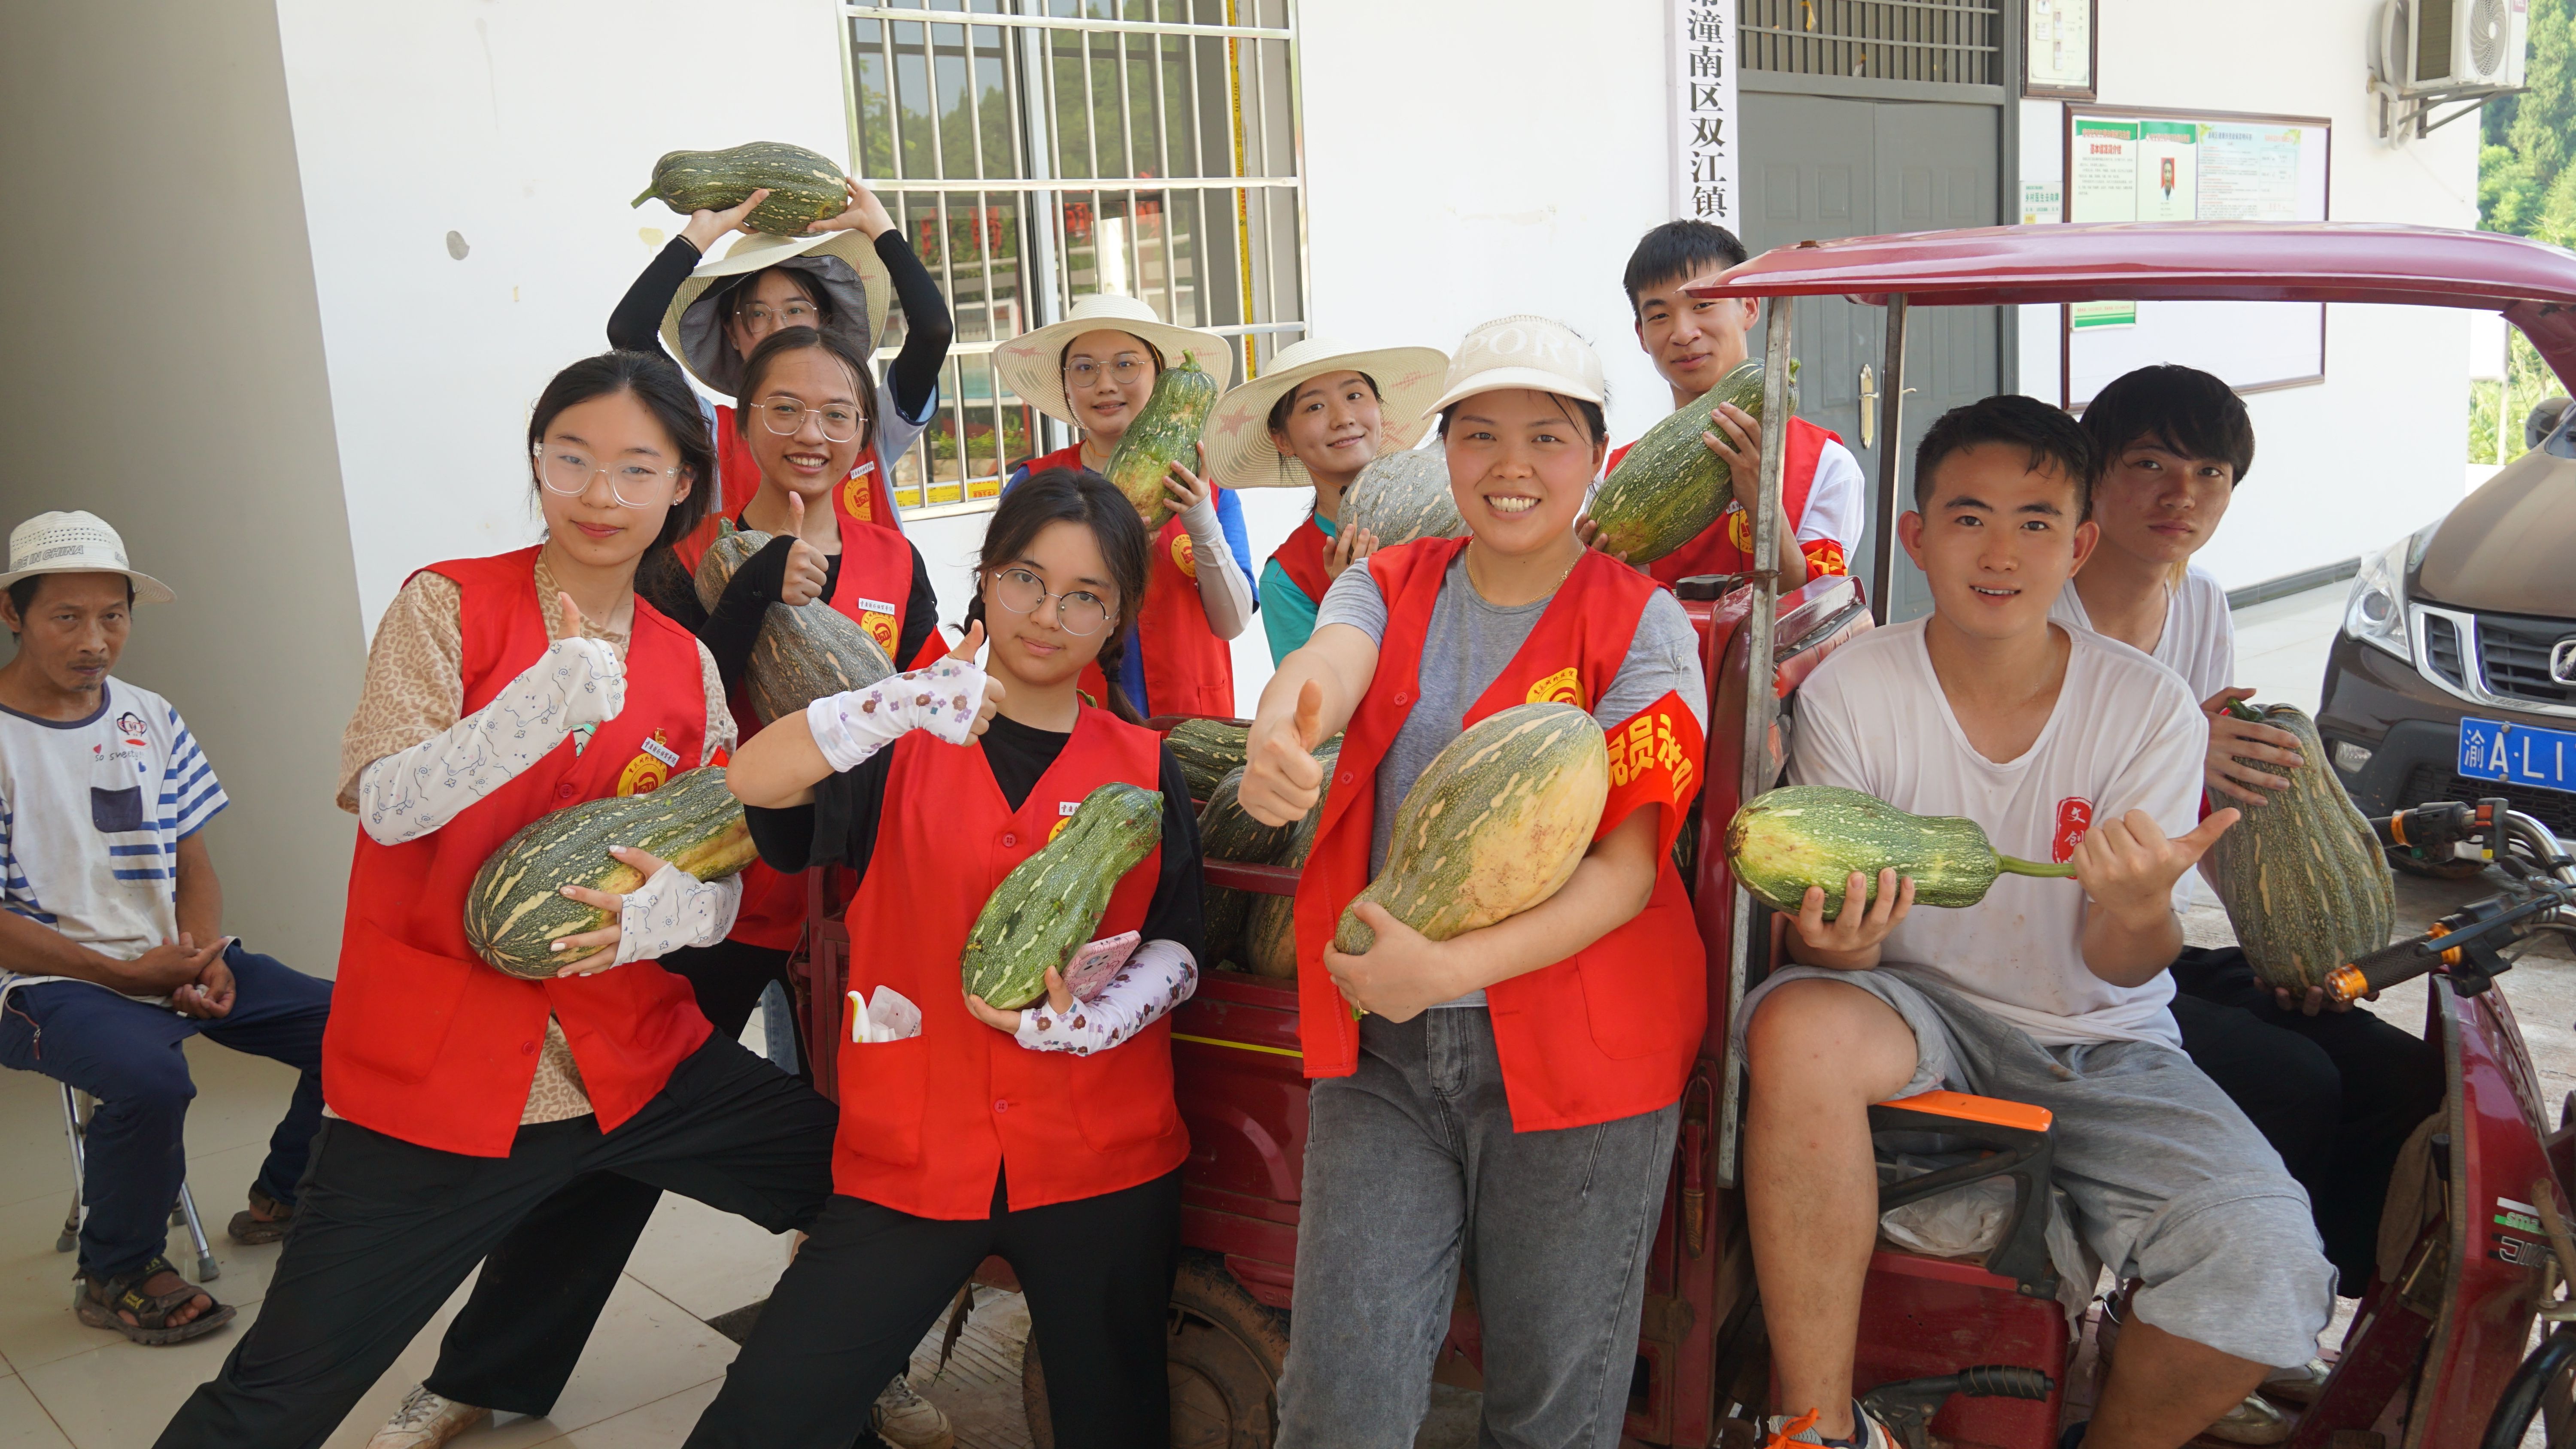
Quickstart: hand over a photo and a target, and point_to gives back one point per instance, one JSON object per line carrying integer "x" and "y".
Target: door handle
{"x": 1868, "y": 406}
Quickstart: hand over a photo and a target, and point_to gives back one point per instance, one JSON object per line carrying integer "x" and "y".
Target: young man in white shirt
{"x": 111, "y": 946}
{"x": 2063, "y": 746}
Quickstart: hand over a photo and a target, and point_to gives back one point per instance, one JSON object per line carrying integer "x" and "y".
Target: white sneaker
{"x": 2252, "y": 1421}
{"x": 426, "y": 1421}
{"x": 1784, "y": 1431}
{"x": 2302, "y": 1384}
{"x": 906, "y": 1420}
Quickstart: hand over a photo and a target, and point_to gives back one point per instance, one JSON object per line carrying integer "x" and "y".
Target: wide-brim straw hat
{"x": 1032, "y": 364}
{"x": 843, "y": 263}
{"x": 75, "y": 542}
{"x": 1524, "y": 351}
{"x": 1240, "y": 451}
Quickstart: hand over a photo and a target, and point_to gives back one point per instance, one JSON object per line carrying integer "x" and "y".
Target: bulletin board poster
{"x": 2168, "y": 166}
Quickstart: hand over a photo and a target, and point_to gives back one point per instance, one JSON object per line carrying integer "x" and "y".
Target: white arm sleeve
{"x": 1222, "y": 586}
{"x": 1160, "y": 976}
{"x": 943, "y": 699}
{"x": 576, "y": 685}
{"x": 674, "y": 910}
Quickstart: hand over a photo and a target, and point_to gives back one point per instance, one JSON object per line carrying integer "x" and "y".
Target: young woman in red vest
{"x": 1095, "y": 370}
{"x": 500, "y": 690}
{"x": 810, "y": 413}
{"x": 1048, "y": 1136}
{"x": 837, "y": 277}
{"x": 1319, "y": 415}
{"x": 1694, "y": 343}
{"x": 1507, "y": 1097}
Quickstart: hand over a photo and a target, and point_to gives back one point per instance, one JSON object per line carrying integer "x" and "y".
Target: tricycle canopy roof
{"x": 2531, "y": 283}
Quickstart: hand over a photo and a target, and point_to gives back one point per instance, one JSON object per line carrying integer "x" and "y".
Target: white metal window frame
{"x": 1276, "y": 306}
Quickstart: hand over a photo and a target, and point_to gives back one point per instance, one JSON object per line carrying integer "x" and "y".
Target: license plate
{"x": 2516, "y": 754}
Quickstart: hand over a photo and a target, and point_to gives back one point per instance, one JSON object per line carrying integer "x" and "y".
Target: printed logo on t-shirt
{"x": 2074, "y": 817}
{"x": 1562, "y": 687}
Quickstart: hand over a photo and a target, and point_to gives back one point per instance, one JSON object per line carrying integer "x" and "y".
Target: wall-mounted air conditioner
{"x": 2423, "y": 47}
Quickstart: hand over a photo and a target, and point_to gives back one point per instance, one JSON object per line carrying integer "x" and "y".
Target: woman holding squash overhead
{"x": 1045, "y": 1132}
{"x": 1507, "y": 1095}
{"x": 837, "y": 278}
{"x": 1099, "y": 369}
{"x": 1318, "y": 416}
{"x": 810, "y": 413}
{"x": 499, "y": 692}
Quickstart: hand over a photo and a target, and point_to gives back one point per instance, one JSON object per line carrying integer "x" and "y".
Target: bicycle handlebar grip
{"x": 2388, "y": 966}
{"x": 2003, "y": 1381}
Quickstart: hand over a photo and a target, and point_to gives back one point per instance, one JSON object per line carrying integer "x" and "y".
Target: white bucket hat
{"x": 843, "y": 263}
{"x": 75, "y": 543}
{"x": 1524, "y": 351}
{"x": 1031, "y": 364}
{"x": 1240, "y": 453}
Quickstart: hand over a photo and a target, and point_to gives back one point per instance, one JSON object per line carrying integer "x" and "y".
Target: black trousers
{"x": 386, "y": 1229}
{"x": 2336, "y": 1094}
{"x": 521, "y": 1333}
{"x": 870, "y": 1282}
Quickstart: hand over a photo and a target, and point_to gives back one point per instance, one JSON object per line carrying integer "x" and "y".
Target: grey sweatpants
{"x": 2170, "y": 1183}
{"x": 1411, "y": 1167}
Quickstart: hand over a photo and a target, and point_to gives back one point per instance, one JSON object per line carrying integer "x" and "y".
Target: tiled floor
{"x": 654, "y": 1362}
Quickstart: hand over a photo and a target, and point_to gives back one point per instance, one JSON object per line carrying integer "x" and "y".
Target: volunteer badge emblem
{"x": 1184, "y": 557}
{"x": 856, "y": 499}
{"x": 650, "y": 768}
{"x": 1557, "y": 688}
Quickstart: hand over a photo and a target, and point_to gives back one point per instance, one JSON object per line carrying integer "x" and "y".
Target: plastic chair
{"x": 77, "y": 1107}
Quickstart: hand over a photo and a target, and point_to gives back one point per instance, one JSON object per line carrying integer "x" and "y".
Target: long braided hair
{"x": 1074, "y": 495}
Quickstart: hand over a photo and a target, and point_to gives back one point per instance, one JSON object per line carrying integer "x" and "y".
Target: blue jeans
{"x": 128, "y": 1055}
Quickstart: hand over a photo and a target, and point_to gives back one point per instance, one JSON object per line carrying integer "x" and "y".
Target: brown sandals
{"x": 102, "y": 1301}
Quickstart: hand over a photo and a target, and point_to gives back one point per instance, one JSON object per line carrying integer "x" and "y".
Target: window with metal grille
{"x": 1957, "y": 42}
{"x": 1035, "y": 151}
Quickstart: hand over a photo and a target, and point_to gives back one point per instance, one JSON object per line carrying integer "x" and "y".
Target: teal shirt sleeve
{"x": 1287, "y": 615}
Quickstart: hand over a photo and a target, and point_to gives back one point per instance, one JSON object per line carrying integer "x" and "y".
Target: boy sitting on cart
{"x": 2064, "y": 746}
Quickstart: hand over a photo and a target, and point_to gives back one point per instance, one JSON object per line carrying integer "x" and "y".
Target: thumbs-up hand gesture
{"x": 806, "y": 566}
{"x": 965, "y": 652}
{"x": 2128, "y": 866}
{"x": 1282, "y": 780}
{"x": 590, "y": 673}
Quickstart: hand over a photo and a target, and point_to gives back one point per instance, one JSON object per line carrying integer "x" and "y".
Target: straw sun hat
{"x": 75, "y": 543}
{"x": 843, "y": 263}
{"x": 1240, "y": 452}
{"x": 1031, "y": 364}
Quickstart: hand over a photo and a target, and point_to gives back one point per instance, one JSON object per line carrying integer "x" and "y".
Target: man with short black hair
{"x": 111, "y": 946}
{"x": 2063, "y": 746}
{"x": 1696, "y": 342}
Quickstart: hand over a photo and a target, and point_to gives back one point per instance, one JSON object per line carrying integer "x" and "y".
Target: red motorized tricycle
{"x": 1973, "y": 1349}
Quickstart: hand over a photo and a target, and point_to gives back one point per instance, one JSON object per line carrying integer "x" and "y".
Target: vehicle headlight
{"x": 2376, "y": 611}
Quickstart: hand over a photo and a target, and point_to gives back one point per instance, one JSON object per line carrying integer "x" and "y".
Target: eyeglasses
{"x": 761, "y": 317}
{"x": 1079, "y": 612}
{"x": 784, "y": 416}
{"x": 568, "y": 471}
{"x": 1123, "y": 371}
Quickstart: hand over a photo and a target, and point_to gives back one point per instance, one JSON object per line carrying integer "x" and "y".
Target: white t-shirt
{"x": 91, "y": 815}
{"x": 2199, "y": 642}
{"x": 2125, "y": 735}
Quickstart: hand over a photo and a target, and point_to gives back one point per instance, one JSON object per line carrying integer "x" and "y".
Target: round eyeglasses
{"x": 1078, "y": 611}
{"x": 761, "y": 317}
{"x": 783, "y": 416}
{"x": 568, "y": 471}
{"x": 1124, "y": 371}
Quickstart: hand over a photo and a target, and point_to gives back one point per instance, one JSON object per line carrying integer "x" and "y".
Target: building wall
{"x": 167, "y": 375}
{"x": 2353, "y": 464}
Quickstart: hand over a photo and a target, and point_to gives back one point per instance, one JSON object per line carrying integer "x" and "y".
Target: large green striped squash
{"x": 1670, "y": 487}
{"x": 1227, "y": 831}
{"x": 1783, "y": 841}
{"x": 804, "y": 186}
{"x": 1050, "y": 904}
{"x": 1166, "y": 431}
{"x": 1494, "y": 825}
{"x": 2302, "y": 875}
{"x": 1403, "y": 496}
{"x": 516, "y": 908}
{"x": 803, "y": 652}
{"x": 1207, "y": 749}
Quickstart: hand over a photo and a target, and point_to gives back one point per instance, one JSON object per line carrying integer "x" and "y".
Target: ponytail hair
{"x": 1074, "y": 495}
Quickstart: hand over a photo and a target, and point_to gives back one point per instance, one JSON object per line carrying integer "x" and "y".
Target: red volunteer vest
{"x": 873, "y": 587}
{"x": 927, "y": 1122}
{"x": 1611, "y": 1031}
{"x": 862, "y": 497}
{"x": 1188, "y": 670}
{"x": 1302, "y": 557}
{"x": 425, "y": 1041}
{"x": 1726, "y": 546}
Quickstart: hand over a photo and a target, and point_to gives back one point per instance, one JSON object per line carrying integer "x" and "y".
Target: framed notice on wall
{"x": 2059, "y": 51}
{"x": 2127, "y": 164}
